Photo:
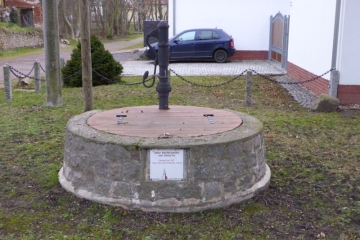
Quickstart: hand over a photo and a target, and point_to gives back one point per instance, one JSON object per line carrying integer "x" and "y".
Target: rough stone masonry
{"x": 220, "y": 169}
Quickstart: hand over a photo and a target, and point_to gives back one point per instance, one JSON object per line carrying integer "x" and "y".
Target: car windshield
{"x": 187, "y": 36}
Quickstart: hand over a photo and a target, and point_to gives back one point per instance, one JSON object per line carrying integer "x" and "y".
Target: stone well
{"x": 167, "y": 161}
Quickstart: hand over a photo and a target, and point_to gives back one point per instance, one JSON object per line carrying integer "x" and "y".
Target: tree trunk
{"x": 67, "y": 22}
{"x": 52, "y": 53}
{"x": 129, "y": 22}
{"x": 160, "y": 9}
{"x": 86, "y": 54}
{"x": 156, "y": 10}
{"x": 112, "y": 19}
{"x": 78, "y": 21}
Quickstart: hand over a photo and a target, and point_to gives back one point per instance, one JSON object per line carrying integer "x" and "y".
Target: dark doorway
{"x": 27, "y": 17}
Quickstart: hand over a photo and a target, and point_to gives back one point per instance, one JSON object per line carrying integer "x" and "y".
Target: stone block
{"x": 131, "y": 171}
{"x": 251, "y": 160}
{"x": 202, "y": 171}
{"x": 212, "y": 190}
{"x": 213, "y": 152}
{"x": 245, "y": 182}
{"x": 221, "y": 169}
{"x": 168, "y": 190}
{"x": 326, "y": 103}
{"x": 259, "y": 171}
{"x": 122, "y": 189}
{"x": 116, "y": 153}
{"x": 230, "y": 184}
{"x": 196, "y": 154}
{"x": 239, "y": 166}
{"x": 103, "y": 186}
{"x": 190, "y": 192}
{"x": 234, "y": 150}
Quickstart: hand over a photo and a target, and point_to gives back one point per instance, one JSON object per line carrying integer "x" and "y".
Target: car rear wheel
{"x": 220, "y": 56}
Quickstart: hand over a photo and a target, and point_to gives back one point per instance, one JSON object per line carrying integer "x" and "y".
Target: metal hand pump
{"x": 162, "y": 59}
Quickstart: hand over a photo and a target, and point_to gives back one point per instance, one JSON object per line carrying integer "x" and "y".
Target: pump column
{"x": 163, "y": 87}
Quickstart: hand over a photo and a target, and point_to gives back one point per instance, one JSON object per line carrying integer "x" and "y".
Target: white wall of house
{"x": 311, "y": 35}
{"x": 348, "y": 61}
{"x": 248, "y": 21}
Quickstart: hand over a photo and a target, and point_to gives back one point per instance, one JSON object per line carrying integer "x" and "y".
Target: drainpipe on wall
{"x": 174, "y": 17}
{"x": 335, "y": 74}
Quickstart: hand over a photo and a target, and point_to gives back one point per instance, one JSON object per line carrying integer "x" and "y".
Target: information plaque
{"x": 166, "y": 164}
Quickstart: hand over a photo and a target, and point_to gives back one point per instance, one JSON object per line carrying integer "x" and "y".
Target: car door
{"x": 183, "y": 46}
{"x": 206, "y": 42}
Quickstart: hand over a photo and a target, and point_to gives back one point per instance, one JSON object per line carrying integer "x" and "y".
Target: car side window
{"x": 215, "y": 35}
{"x": 188, "y": 36}
{"x": 207, "y": 35}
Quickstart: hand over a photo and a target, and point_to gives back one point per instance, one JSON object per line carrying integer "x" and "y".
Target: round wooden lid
{"x": 178, "y": 121}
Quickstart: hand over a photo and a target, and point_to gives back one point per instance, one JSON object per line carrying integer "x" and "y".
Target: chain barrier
{"x": 208, "y": 86}
{"x": 42, "y": 68}
{"x": 255, "y": 72}
{"x": 125, "y": 84}
{"x": 22, "y": 76}
{"x": 76, "y": 73}
{"x": 290, "y": 83}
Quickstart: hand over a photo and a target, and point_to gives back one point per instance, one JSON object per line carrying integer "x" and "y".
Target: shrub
{"x": 102, "y": 62}
{"x": 13, "y": 16}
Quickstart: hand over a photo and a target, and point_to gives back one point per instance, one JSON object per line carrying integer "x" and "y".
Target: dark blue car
{"x": 199, "y": 44}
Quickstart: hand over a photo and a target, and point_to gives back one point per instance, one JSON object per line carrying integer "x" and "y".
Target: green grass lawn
{"x": 314, "y": 158}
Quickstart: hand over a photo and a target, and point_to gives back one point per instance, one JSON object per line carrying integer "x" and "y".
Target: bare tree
{"x": 109, "y": 17}
{"x": 160, "y": 9}
{"x": 66, "y": 20}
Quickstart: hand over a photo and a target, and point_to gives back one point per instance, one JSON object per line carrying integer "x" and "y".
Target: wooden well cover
{"x": 178, "y": 121}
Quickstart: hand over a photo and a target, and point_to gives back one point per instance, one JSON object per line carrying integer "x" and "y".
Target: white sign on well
{"x": 166, "y": 164}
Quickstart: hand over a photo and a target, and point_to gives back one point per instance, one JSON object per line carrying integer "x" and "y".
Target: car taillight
{"x": 231, "y": 43}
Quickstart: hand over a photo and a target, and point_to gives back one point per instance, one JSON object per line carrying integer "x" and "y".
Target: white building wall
{"x": 248, "y": 21}
{"x": 348, "y": 62}
{"x": 311, "y": 34}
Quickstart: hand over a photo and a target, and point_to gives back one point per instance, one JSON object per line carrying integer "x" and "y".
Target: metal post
{"x": 334, "y": 83}
{"x": 248, "y": 90}
{"x": 37, "y": 76}
{"x": 270, "y": 37}
{"x": 163, "y": 87}
{"x": 7, "y": 83}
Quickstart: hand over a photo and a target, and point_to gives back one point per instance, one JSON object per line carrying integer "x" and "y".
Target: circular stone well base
{"x": 175, "y": 160}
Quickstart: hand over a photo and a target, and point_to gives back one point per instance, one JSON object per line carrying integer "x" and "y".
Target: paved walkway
{"x": 137, "y": 68}
{"x": 302, "y": 95}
